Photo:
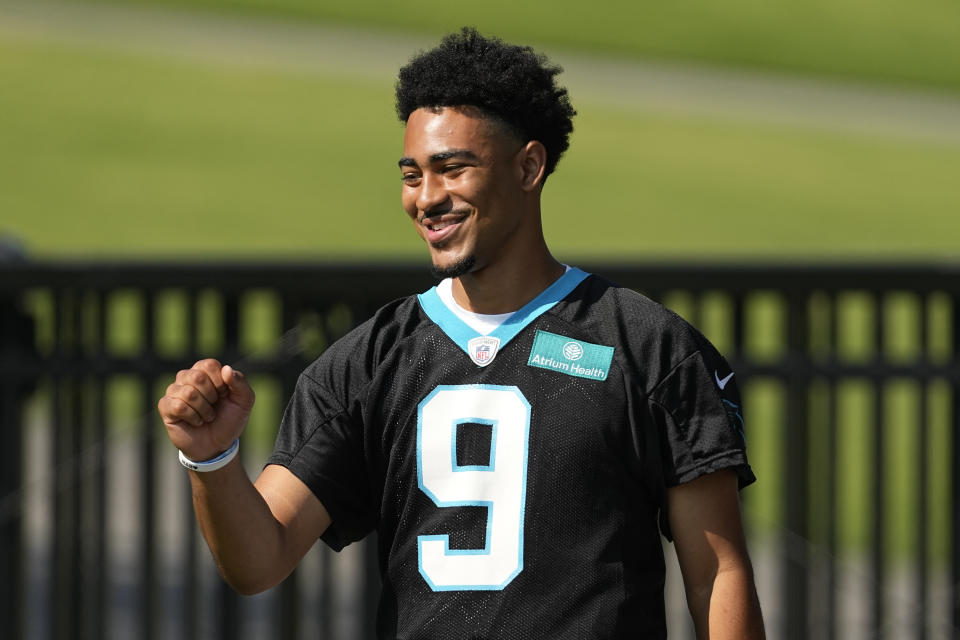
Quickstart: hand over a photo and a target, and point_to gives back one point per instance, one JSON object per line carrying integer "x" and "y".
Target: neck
{"x": 507, "y": 284}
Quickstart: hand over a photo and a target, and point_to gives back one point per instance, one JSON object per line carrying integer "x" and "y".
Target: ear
{"x": 533, "y": 165}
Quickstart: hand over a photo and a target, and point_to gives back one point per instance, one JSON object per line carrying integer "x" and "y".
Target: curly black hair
{"x": 511, "y": 83}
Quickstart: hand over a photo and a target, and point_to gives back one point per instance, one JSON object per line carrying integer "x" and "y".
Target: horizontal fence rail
{"x": 850, "y": 376}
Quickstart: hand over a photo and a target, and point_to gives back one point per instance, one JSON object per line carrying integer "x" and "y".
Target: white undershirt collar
{"x": 482, "y": 323}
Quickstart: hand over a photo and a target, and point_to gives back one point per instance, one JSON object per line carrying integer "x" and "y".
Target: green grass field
{"x": 113, "y": 154}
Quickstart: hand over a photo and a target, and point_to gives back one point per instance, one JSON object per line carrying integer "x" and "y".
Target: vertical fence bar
{"x": 76, "y": 426}
{"x": 98, "y": 412}
{"x": 796, "y": 456}
{"x": 923, "y": 513}
{"x": 877, "y": 556}
{"x": 288, "y": 611}
{"x": 955, "y": 467}
{"x": 738, "y": 329}
{"x": 325, "y": 604}
{"x": 923, "y": 487}
{"x": 371, "y": 587}
{"x": 832, "y": 481}
{"x": 149, "y": 620}
{"x": 16, "y": 349}
{"x": 47, "y": 624}
{"x": 85, "y": 462}
{"x": 696, "y": 308}
{"x": 11, "y": 514}
{"x": 65, "y": 604}
{"x": 56, "y": 599}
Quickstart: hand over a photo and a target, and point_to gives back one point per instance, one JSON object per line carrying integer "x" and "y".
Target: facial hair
{"x": 459, "y": 268}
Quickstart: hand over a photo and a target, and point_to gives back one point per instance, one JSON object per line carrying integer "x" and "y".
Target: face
{"x": 462, "y": 189}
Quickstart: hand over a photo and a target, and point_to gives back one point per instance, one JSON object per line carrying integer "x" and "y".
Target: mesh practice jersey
{"x": 514, "y": 480}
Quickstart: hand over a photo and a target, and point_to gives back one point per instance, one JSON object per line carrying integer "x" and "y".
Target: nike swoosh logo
{"x": 722, "y": 383}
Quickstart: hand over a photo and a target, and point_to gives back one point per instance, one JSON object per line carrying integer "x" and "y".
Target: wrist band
{"x": 213, "y": 464}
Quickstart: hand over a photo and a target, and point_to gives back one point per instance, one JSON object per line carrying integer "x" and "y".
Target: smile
{"x": 440, "y": 228}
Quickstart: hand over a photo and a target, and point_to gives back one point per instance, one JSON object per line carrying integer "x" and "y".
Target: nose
{"x": 432, "y": 193}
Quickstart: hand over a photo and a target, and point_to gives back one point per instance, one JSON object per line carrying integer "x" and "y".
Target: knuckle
{"x": 207, "y": 364}
{"x": 194, "y": 377}
{"x": 179, "y": 407}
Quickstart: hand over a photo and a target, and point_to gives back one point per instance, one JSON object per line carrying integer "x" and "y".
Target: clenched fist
{"x": 206, "y": 409}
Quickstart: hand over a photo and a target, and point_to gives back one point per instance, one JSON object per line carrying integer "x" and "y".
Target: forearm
{"x": 728, "y": 608}
{"x": 257, "y": 532}
{"x": 246, "y": 540}
{"x": 712, "y": 552}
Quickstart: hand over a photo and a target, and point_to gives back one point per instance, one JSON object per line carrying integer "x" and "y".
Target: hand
{"x": 206, "y": 409}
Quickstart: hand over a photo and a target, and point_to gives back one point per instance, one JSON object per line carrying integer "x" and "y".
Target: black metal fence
{"x": 850, "y": 373}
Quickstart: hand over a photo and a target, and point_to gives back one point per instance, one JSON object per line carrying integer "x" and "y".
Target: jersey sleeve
{"x": 321, "y": 443}
{"x": 696, "y": 409}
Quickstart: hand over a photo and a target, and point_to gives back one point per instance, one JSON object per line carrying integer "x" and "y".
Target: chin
{"x": 454, "y": 269}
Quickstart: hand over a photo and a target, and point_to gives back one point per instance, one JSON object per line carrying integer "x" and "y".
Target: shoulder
{"x": 603, "y": 299}
{"x": 651, "y": 340}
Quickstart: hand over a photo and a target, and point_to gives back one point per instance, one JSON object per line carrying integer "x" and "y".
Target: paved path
{"x": 374, "y": 56}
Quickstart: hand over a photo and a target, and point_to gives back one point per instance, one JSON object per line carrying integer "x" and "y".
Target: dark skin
{"x": 466, "y": 171}
{"x": 472, "y": 191}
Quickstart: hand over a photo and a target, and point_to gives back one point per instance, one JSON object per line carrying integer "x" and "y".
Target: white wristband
{"x": 216, "y": 463}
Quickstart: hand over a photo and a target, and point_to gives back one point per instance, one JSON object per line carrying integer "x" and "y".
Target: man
{"x": 513, "y": 434}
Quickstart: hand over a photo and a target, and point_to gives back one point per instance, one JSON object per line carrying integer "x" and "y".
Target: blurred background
{"x": 248, "y": 128}
{"x": 218, "y": 177}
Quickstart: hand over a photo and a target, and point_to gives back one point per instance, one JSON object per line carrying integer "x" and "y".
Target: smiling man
{"x": 519, "y": 436}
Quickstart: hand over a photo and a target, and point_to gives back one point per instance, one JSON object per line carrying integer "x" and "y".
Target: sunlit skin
{"x": 472, "y": 190}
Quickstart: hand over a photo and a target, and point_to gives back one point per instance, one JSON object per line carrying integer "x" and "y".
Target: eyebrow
{"x": 440, "y": 157}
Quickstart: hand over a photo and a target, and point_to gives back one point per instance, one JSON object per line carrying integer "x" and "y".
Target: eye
{"x": 453, "y": 169}
{"x": 410, "y": 178}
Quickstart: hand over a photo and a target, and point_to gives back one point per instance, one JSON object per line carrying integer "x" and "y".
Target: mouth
{"x": 440, "y": 226}
{"x": 438, "y": 229}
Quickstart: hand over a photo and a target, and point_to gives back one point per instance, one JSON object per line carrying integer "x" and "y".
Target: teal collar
{"x": 461, "y": 333}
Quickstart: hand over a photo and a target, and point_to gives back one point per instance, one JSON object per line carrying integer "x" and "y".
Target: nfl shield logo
{"x": 483, "y": 350}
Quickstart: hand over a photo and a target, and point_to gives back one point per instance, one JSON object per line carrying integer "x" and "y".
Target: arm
{"x": 717, "y": 575}
{"x": 257, "y": 532}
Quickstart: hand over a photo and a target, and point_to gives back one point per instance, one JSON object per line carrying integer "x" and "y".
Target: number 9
{"x": 501, "y": 486}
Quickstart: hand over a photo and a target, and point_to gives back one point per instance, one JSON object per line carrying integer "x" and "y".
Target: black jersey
{"x": 514, "y": 479}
